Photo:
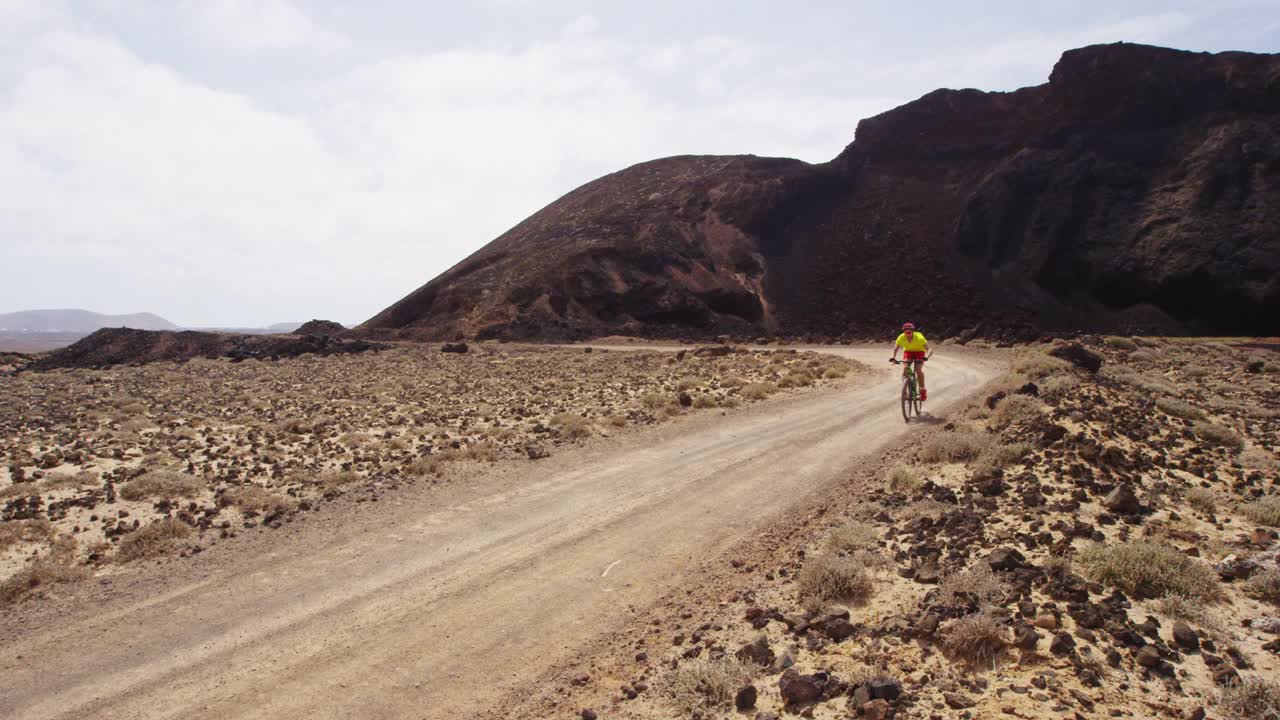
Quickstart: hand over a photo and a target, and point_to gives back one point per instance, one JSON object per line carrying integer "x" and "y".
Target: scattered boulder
{"x": 958, "y": 701}
{"x": 454, "y": 348}
{"x": 1122, "y": 500}
{"x": 1185, "y": 637}
{"x": 746, "y": 698}
{"x": 800, "y": 689}
{"x": 756, "y": 651}
{"x": 1079, "y": 355}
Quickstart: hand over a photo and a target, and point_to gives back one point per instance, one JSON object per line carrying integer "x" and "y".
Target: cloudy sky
{"x": 244, "y": 162}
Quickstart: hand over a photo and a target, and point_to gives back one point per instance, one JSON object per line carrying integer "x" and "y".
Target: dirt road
{"x": 423, "y": 610}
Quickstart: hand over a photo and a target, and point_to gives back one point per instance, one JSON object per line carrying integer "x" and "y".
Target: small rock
{"x": 685, "y": 399}
{"x": 1004, "y": 559}
{"x": 1195, "y": 713}
{"x": 875, "y": 710}
{"x": 797, "y": 689}
{"x": 589, "y": 714}
{"x": 956, "y": 701}
{"x": 535, "y": 451}
{"x": 461, "y": 348}
{"x": 756, "y": 651}
{"x": 884, "y": 689}
{"x": 746, "y": 698}
{"x": 1062, "y": 644}
{"x": 1185, "y": 637}
{"x": 1148, "y": 657}
{"x": 1123, "y": 501}
{"x": 1079, "y": 355}
{"x": 1047, "y": 621}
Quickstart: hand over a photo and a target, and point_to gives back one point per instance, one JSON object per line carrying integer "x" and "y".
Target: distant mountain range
{"x": 72, "y": 321}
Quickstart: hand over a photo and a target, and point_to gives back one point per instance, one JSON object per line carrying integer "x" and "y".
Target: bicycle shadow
{"x": 925, "y": 418}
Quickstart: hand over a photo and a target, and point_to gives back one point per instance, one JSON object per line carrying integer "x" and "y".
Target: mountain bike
{"x": 910, "y": 393}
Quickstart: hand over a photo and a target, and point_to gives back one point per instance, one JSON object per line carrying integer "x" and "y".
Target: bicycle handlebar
{"x": 896, "y": 361}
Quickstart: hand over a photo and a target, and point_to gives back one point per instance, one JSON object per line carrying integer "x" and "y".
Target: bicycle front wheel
{"x": 906, "y": 401}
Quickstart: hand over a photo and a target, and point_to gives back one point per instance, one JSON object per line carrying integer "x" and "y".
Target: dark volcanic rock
{"x": 1079, "y": 355}
{"x": 1136, "y": 190}
{"x": 798, "y": 689}
{"x": 320, "y": 327}
{"x": 120, "y": 346}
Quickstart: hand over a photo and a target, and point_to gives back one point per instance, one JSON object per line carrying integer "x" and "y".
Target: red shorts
{"x": 912, "y": 354}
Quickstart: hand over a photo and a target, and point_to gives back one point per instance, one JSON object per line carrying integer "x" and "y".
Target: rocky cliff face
{"x": 1139, "y": 189}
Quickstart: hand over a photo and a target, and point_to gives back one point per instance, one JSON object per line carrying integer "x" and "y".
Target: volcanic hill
{"x": 1139, "y": 189}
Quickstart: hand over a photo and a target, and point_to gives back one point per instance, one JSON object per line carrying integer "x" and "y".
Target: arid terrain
{"x": 1073, "y": 544}
{"x": 103, "y": 467}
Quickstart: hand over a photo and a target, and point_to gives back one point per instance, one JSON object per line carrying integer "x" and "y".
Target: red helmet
{"x": 908, "y": 326}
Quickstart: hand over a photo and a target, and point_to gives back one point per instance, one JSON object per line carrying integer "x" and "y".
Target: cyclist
{"x": 913, "y": 347}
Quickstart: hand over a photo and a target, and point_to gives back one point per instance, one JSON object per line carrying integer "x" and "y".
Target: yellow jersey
{"x": 915, "y": 344}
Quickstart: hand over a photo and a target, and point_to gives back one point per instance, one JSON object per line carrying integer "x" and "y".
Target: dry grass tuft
{"x": 335, "y": 479}
{"x": 978, "y": 639}
{"x": 1017, "y": 409}
{"x": 1149, "y": 569}
{"x": 832, "y": 578}
{"x": 1264, "y": 511}
{"x": 252, "y": 497}
{"x": 1057, "y": 386}
{"x": 704, "y": 685}
{"x": 1202, "y": 499}
{"x": 1000, "y": 456}
{"x": 1264, "y": 586}
{"x": 161, "y": 483}
{"x": 13, "y": 532}
{"x": 1218, "y": 435}
{"x": 977, "y": 584}
{"x": 852, "y": 538}
{"x": 572, "y": 426}
{"x": 154, "y": 540}
{"x": 955, "y": 446}
{"x": 758, "y": 391}
{"x": 1178, "y": 408}
{"x": 1255, "y": 458}
{"x": 41, "y": 573}
{"x": 1121, "y": 343}
{"x": 1252, "y": 699}
{"x": 1034, "y": 365}
{"x": 905, "y": 478}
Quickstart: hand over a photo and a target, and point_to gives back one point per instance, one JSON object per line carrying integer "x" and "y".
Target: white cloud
{"x": 253, "y": 25}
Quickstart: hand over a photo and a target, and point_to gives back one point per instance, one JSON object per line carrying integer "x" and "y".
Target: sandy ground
{"x": 416, "y": 608}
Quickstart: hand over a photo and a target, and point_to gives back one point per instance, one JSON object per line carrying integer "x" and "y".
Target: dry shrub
{"x": 64, "y": 481}
{"x": 154, "y": 540}
{"x": 13, "y": 532}
{"x": 1057, "y": 386}
{"x": 572, "y": 426}
{"x": 905, "y": 478}
{"x": 1121, "y": 343}
{"x": 955, "y": 446}
{"x": 1016, "y": 409}
{"x": 832, "y": 578}
{"x": 704, "y": 401}
{"x": 834, "y": 373}
{"x": 1206, "y": 501}
{"x": 253, "y": 497}
{"x": 1193, "y": 610}
{"x": 978, "y": 639}
{"x": 1000, "y": 456}
{"x": 1152, "y": 384}
{"x": 1148, "y": 569}
{"x": 1218, "y": 435}
{"x": 334, "y": 479}
{"x": 977, "y": 584}
{"x": 617, "y": 420}
{"x": 704, "y": 685}
{"x": 354, "y": 440}
{"x": 294, "y": 426}
{"x": 1264, "y": 510}
{"x": 39, "y": 574}
{"x": 1253, "y": 698}
{"x": 1143, "y": 356}
{"x": 1255, "y": 458}
{"x": 1265, "y": 586}
{"x": 161, "y": 483}
{"x": 732, "y": 382}
{"x": 423, "y": 466}
{"x": 483, "y": 451}
{"x": 1178, "y": 408}
{"x": 797, "y": 379}
{"x": 1196, "y": 372}
{"x": 653, "y": 401}
{"x": 1034, "y": 365}
{"x": 852, "y": 538}
{"x": 758, "y": 391}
